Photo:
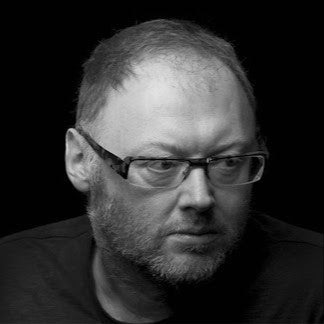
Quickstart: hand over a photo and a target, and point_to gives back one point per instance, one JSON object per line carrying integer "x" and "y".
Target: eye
{"x": 232, "y": 162}
{"x": 161, "y": 165}
{"x": 228, "y": 164}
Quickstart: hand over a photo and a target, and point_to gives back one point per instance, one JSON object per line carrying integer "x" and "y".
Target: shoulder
{"x": 26, "y": 249}
{"x": 290, "y": 246}
{"x": 291, "y": 273}
{"x": 67, "y": 228}
{"x": 39, "y": 248}
{"x": 43, "y": 271}
{"x": 277, "y": 231}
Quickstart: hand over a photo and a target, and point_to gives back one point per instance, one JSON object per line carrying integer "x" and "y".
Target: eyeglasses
{"x": 234, "y": 170}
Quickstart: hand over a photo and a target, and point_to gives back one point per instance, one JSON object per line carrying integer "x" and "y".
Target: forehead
{"x": 190, "y": 105}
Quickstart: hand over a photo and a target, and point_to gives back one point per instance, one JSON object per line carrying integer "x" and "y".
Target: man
{"x": 167, "y": 147}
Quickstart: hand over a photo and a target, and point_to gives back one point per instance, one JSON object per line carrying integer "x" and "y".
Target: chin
{"x": 192, "y": 263}
{"x": 186, "y": 267}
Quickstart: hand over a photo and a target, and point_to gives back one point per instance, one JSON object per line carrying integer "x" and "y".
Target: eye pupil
{"x": 231, "y": 162}
{"x": 166, "y": 164}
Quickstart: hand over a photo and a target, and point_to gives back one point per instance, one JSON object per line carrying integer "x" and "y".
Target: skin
{"x": 143, "y": 242}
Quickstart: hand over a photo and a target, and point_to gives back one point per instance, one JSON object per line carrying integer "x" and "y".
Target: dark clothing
{"x": 275, "y": 276}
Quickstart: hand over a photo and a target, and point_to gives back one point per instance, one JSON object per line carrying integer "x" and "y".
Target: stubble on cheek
{"x": 120, "y": 228}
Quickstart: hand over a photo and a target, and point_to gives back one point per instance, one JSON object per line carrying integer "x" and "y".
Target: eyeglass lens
{"x": 170, "y": 173}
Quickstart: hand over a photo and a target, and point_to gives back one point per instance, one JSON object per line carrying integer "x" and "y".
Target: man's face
{"x": 180, "y": 234}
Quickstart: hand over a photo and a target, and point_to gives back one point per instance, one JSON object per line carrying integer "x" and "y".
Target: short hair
{"x": 113, "y": 59}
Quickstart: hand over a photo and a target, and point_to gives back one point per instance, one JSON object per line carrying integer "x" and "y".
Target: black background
{"x": 45, "y": 47}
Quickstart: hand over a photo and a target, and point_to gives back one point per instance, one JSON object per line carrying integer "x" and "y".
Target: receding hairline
{"x": 159, "y": 38}
{"x": 189, "y": 62}
{"x": 206, "y": 69}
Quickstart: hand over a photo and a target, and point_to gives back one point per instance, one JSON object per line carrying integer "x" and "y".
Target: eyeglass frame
{"x": 121, "y": 166}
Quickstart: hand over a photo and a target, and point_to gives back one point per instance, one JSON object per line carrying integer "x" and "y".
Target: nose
{"x": 196, "y": 191}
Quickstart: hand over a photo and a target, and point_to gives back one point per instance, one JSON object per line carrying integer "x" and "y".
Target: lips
{"x": 186, "y": 237}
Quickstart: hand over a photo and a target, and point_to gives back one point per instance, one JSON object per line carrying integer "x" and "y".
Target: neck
{"x": 125, "y": 293}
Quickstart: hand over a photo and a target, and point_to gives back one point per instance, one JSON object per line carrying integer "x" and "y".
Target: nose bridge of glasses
{"x": 201, "y": 162}
{"x": 197, "y": 163}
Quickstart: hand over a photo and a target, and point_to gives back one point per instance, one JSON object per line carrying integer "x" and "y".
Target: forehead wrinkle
{"x": 157, "y": 147}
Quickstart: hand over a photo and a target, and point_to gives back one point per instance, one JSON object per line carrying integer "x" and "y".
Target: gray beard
{"x": 127, "y": 242}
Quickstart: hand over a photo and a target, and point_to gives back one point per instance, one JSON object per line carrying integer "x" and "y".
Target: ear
{"x": 75, "y": 160}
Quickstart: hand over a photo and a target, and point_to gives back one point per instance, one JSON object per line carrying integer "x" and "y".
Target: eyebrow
{"x": 176, "y": 150}
{"x": 240, "y": 146}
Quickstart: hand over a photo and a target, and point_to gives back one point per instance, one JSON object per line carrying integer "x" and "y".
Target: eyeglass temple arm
{"x": 119, "y": 165}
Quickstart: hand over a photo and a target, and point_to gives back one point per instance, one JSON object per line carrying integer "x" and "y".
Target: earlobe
{"x": 75, "y": 160}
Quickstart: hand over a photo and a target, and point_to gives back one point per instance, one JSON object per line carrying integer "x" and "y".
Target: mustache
{"x": 196, "y": 224}
{"x": 193, "y": 230}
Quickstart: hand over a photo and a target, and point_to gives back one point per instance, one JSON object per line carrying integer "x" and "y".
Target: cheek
{"x": 144, "y": 210}
{"x": 233, "y": 202}
{"x": 158, "y": 204}
{"x": 137, "y": 225}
